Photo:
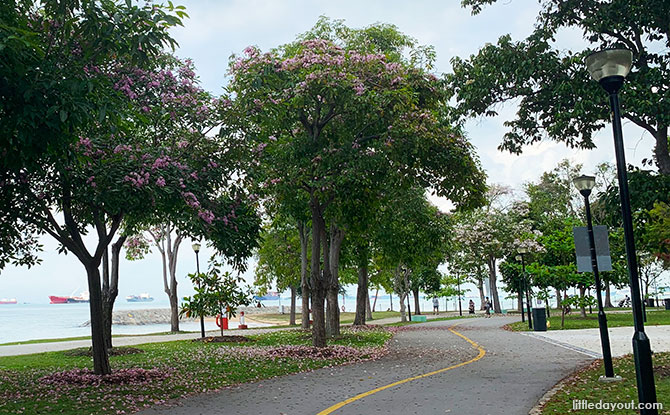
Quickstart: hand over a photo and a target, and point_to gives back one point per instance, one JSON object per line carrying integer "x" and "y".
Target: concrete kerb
{"x": 539, "y": 406}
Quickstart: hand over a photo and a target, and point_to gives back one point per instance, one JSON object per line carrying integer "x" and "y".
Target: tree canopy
{"x": 556, "y": 97}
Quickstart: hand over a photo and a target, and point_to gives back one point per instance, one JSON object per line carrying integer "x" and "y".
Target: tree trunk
{"x": 291, "y": 318}
{"x": 110, "y": 287}
{"x": 482, "y": 296}
{"x": 304, "y": 278}
{"x": 332, "y": 312}
{"x": 519, "y": 305}
{"x": 417, "y": 306}
{"x": 492, "y": 283}
{"x": 400, "y": 288}
{"x": 374, "y": 303}
{"x": 107, "y": 305}
{"x": 173, "y": 252}
{"x": 661, "y": 153}
{"x": 403, "y": 316}
{"x": 361, "y": 293}
{"x": 100, "y": 357}
{"x": 582, "y": 308}
{"x": 368, "y": 310}
{"x": 558, "y": 298}
{"x": 317, "y": 283}
{"x": 334, "y": 245}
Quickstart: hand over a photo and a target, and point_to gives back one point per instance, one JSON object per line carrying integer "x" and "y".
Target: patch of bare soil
{"x": 224, "y": 339}
{"x": 114, "y": 351}
{"x": 662, "y": 371}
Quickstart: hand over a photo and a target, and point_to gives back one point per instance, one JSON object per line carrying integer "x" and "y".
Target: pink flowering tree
{"x": 122, "y": 175}
{"x": 54, "y": 84}
{"x": 493, "y": 232}
{"x": 334, "y": 116}
{"x": 179, "y": 116}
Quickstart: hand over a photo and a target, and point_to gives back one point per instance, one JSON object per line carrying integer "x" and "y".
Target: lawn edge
{"x": 538, "y": 409}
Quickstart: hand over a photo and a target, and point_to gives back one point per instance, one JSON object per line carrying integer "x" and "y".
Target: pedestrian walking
{"x": 436, "y": 306}
{"x": 487, "y": 307}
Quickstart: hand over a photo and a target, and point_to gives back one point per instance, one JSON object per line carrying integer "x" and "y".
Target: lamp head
{"x": 584, "y": 184}
{"x": 196, "y": 247}
{"x": 522, "y": 250}
{"x": 609, "y": 67}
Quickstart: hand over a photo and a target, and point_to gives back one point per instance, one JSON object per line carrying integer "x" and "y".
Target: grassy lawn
{"x": 407, "y": 323}
{"x": 574, "y": 321}
{"x": 67, "y": 339}
{"x": 57, "y": 382}
{"x": 585, "y": 385}
{"x": 345, "y": 318}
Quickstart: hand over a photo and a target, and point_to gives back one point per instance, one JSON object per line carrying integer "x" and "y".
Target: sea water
{"x": 22, "y": 322}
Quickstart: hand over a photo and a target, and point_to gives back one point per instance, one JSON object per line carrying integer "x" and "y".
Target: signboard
{"x": 583, "y": 250}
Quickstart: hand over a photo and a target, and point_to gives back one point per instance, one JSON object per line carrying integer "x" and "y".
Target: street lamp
{"x": 521, "y": 284}
{"x": 458, "y": 282}
{"x": 585, "y": 185}
{"x": 522, "y": 251}
{"x": 609, "y": 67}
{"x": 196, "y": 249}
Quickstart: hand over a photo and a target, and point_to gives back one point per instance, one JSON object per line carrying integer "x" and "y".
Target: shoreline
{"x": 148, "y": 316}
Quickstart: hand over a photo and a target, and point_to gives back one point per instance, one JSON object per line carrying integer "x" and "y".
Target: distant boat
{"x": 273, "y": 295}
{"x": 142, "y": 298}
{"x": 83, "y": 298}
{"x": 8, "y": 301}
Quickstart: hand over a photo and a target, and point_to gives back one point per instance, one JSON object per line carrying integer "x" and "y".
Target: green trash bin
{"x": 539, "y": 319}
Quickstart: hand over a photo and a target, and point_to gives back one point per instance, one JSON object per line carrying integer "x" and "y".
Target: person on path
{"x": 436, "y": 306}
{"x": 487, "y": 307}
{"x": 471, "y": 307}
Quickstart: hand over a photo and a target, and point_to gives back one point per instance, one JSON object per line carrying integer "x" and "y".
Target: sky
{"x": 217, "y": 29}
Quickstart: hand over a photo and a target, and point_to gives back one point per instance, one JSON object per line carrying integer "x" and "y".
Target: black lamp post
{"x": 526, "y": 284}
{"x": 521, "y": 284}
{"x": 609, "y": 67}
{"x": 458, "y": 283}
{"x": 585, "y": 185}
{"x": 196, "y": 249}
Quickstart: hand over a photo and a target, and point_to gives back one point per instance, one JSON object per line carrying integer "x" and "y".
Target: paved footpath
{"x": 621, "y": 339}
{"x": 508, "y": 377}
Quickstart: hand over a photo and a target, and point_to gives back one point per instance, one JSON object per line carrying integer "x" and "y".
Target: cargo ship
{"x": 8, "y": 301}
{"x": 56, "y": 299}
{"x": 142, "y": 298}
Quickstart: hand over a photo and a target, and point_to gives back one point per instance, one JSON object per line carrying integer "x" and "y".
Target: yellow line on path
{"x": 481, "y": 354}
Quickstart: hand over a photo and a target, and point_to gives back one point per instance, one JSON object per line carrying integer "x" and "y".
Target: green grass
{"x": 345, "y": 318}
{"x": 585, "y": 385}
{"x": 407, "y": 323}
{"x": 67, "y": 339}
{"x": 188, "y": 367}
{"x": 574, "y": 321}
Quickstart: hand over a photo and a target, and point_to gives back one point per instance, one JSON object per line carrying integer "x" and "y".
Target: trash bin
{"x": 539, "y": 319}
{"x": 650, "y": 302}
{"x": 667, "y": 303}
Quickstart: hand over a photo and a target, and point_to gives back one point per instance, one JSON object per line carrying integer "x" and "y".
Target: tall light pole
{"x": 196, "y": 249}
{"x": 521, "y": 288}
{"x": 458, "y": 282}
{"x": 585, "y": 185}
{"x": 610, "y": 67}
{"x": 522, "y": 251}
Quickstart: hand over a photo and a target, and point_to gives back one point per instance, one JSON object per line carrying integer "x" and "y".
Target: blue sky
{"x": 217, "y": 29}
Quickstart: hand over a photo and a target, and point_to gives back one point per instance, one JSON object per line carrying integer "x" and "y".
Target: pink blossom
{"x": 206, "y": 215}
{"x": 160, "y": 182}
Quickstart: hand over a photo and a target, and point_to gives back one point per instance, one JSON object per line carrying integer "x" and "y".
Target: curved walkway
{"x": 508, "y": 378}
